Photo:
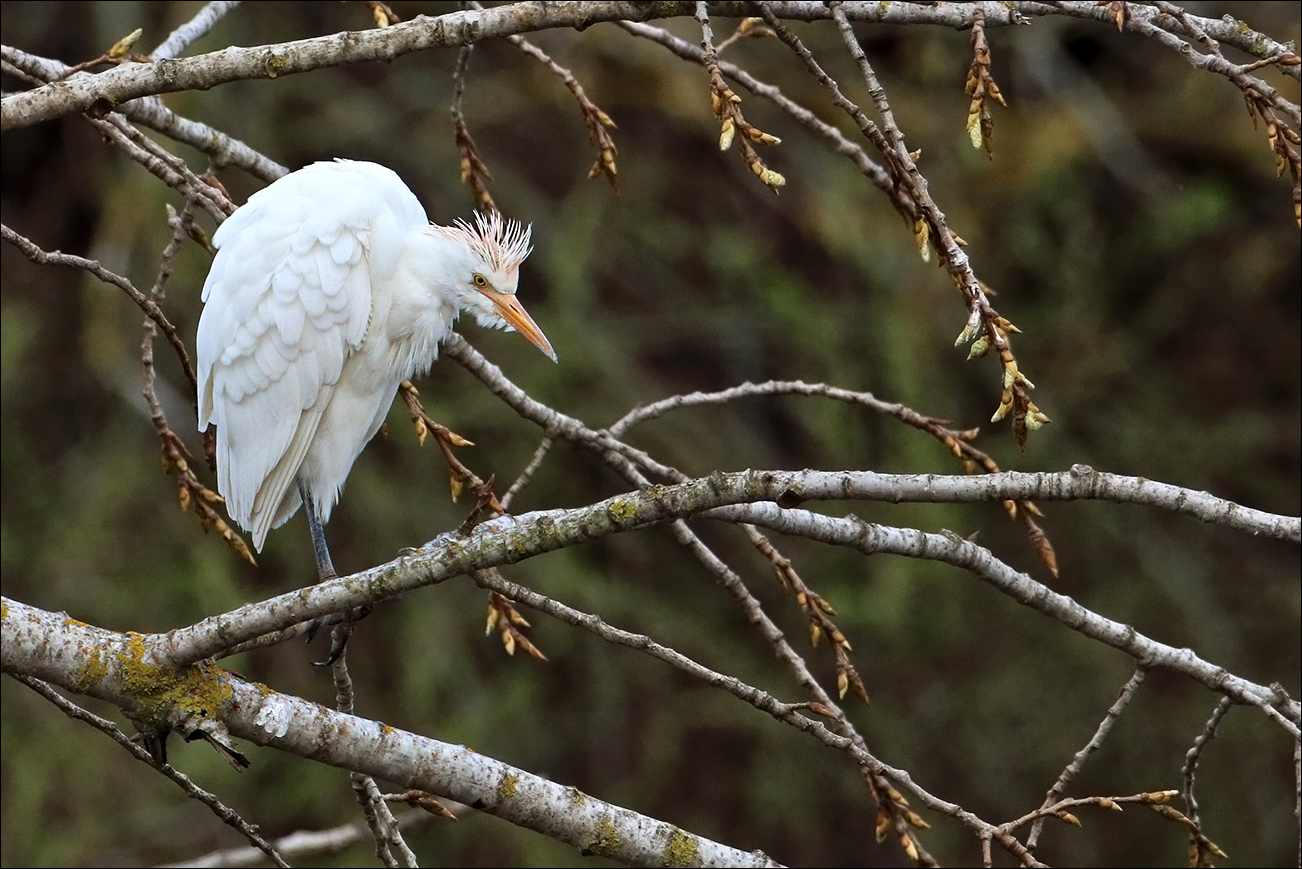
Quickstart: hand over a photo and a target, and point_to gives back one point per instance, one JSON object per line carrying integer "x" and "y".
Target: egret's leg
{"x": 326, "y": 570}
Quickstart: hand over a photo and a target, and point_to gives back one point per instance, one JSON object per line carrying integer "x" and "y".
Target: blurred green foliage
{"x": 1131, "y": 222}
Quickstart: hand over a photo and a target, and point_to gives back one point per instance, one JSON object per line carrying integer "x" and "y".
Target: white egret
{"x": 330, "y": 287}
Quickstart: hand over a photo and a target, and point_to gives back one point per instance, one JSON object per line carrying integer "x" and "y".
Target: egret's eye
{"x": 481, "y": 282}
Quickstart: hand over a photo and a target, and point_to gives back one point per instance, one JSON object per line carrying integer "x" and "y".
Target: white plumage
{"x": 330, "y": 287}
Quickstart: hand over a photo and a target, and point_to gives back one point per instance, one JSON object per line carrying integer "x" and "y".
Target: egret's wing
{"x": 288, "y": 298}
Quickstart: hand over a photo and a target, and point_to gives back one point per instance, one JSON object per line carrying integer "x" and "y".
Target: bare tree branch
{"x": 286, "y": 723}
{"x": 193, "y": 30}
{"x": 753, "y": 496}
{"x": 304, "y": 843}
{"x": 224, "y": 813}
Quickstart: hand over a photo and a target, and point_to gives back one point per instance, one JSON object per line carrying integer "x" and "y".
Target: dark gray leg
{"x": 326, "y": 570}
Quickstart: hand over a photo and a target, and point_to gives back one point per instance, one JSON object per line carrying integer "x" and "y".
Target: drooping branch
{"x": 267, "y": 718}
{"x": 42, "y": 257}
{"x": 1127, "y": 694}
{"x": 152, "y": 113}
{"x": 754, "y": 497}
{"x": 223, "y": 812}
{"x": 834, "y": 137}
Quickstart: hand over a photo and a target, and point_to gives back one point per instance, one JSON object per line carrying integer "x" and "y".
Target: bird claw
{"x": 313, "y": 627}
{"x": 338, "y": 638}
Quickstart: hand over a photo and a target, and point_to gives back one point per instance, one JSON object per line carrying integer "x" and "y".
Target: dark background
{"x": 1132, "y": 224}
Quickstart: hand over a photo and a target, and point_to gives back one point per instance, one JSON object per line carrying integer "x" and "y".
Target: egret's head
{"x": 494, "y": 250}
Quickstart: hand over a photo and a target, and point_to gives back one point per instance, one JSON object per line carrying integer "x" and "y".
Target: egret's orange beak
{"x": 515, "y": 314}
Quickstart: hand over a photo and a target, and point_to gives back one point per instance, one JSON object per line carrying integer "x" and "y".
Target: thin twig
{"x": 1153, "y": 799}
{"x": 224, "y": 813}
{"x": 504, "y": 618}
{"x": 879, "y": 177}
{"x": 461, "y": 478}
{"x": 193, "y": 495}
{"x": 598, "y": 122}
{"x": 727, "y": 108}
{"x": 957, "y": 442}
{"x": 1200, "y": 853}
{"x": 539, "y": 455}
{"x": 931, "y": 230}
{"x": 1096, "y": 741}
{"x": 57, "y": 258}
{"x": 790, "y": 713}
{"x": 381, "y": 822}
{"x": 474, "y": 172}
{"x": 303, "y": 843}
{"x": 168, "y": 168}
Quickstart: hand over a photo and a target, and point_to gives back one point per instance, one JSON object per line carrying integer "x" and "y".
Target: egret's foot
{"x": 339, "y": 638}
